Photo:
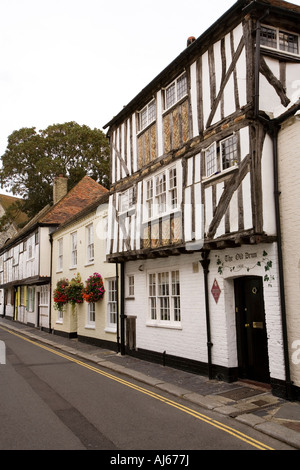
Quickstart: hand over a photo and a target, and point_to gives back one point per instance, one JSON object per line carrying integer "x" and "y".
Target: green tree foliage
{"x": 33, "y": 159}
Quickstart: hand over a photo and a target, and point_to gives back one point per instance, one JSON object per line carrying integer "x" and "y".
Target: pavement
{"x": 248, "y": 403}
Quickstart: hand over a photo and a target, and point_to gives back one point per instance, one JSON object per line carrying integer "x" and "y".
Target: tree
{"x": 33, "y": 159}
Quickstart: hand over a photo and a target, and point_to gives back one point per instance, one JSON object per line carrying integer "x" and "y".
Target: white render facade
{"x": 79, "y": 248}
{"x": 192, "y": 214}
{"x": 289, "y": 168}
{"x": 25, "y": 277}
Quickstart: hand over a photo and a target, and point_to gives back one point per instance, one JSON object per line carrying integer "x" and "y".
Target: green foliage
{"x": 33, "y": 159}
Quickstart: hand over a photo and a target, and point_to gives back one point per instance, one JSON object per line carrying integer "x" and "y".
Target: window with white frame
{"x": 60, "y": 254}
{"x": 229, "y": 154}
{"x": 30, "y": 248}
{"x": 90, "y": 243}
{"x": 164, "y": 297}
{"x": 280, "y": 40}
{"x": 220, "y": 156}
{"x": 91, "y": 314}
{"x": 60, "y": 316}
{"x": 130, "y": 285}
{"x": 161, "y": 193}
{"x": 112, "y": 294}
{"x": 44, "y": 295}
{"x": 147, "y": 115}
{"x": 127, "y": 200}
{"x": 73, "y": 249}
{"x": 175, "y": 91}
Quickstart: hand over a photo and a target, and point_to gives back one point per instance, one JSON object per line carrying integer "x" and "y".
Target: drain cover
{"x": 240, "y": 393}
{"x": 259, "y": 402}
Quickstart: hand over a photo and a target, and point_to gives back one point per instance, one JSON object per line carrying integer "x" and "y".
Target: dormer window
{"x": 280, "y": 40}
{"x": 147, "y": 115}
{"x": 175, "y": 91}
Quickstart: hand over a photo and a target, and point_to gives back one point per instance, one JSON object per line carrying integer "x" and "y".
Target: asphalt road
{"x": 52, "y": 401}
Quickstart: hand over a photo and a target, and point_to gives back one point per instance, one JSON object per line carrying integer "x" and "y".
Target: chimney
{"x": 190, "y": 40}
{"x": 60, "y": 188}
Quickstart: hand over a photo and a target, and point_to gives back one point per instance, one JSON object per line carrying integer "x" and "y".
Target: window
{"x": 229, "y": 152}
{"x": 91, "y": 314}
{"x": 30, "y": 248}
{"x": 90, "y": 243}
{"x": 127, "y": 200}
{"x": 149, "y": 198}
{"x": 112, "y": 302}
{"x": 131, "y": 286}
{"x": 60, "y": 255}
{"x": 147, "y": 115}
{"x": 280, "y": 40}
{"x": 74, "y": 249}
{"x": 221, "y": 156}
{"x": 175, "y": 91}
{"x": 211, "y": 160}
{"x": 164, "y": 297}
{"x": 59, "y": 316}
{"x": 161, "y": 193}
{"x": 44, "y": 295}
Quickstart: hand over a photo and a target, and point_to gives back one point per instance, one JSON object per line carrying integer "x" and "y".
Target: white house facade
{"x": 79, "y": 251}
{"x": 192, "y": 217}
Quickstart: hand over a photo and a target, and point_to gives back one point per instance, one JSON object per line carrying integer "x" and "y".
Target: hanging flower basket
{"x": 60, "y": 294}
{"x": 75, "y": 290}
{"x": 94, "y": 289}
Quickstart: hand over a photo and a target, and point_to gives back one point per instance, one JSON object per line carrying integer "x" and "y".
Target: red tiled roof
{"x": 78, "y": 198}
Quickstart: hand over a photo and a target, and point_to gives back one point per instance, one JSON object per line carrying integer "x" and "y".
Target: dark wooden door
{"x": 252, "y": 343}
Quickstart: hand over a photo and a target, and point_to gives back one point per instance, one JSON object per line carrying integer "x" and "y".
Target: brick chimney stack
{"x": 60, "y": 188}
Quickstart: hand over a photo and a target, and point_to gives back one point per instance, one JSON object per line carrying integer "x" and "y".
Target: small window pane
{"x": 268, "y": 37}
{"x": 288, "y": 42}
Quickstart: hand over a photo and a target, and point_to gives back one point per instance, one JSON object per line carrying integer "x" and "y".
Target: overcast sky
{"x": 83, "y": 60}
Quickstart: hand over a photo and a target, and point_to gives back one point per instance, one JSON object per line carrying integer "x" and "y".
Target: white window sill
{"x": 164, "y": 215}
{"x": 111, "y": 329}
{"x": 88, "y": 263}
{"x": 232, "y": 168}
{"x": 168, "y": 325}
{"x": 90, "y": 327}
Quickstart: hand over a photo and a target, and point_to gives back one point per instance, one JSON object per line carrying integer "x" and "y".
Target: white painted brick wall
{"x": 190, "y": 341}
{"x": 289, "y": 186}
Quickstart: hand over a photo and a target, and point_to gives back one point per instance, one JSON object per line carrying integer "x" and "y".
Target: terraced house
{"x": 193, "y": 216}
{"x": 26, "y": 258}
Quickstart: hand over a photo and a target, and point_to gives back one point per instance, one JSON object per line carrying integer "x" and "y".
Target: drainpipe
{"x": 118, "y": 310}
{"x": 289, "y": 392}
{"x": 122, "y": 313}
{"x": 51, "y": 277}
{"x": 205, "y": 265}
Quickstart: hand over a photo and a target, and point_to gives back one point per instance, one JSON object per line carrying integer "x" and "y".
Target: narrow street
{"x": 52, "y": 401}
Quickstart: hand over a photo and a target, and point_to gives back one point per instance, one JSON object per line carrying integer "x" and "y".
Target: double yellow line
{"x": 223, "y": 427}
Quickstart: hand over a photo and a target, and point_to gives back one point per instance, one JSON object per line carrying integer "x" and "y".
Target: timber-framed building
{"x": 193, "y": 217}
